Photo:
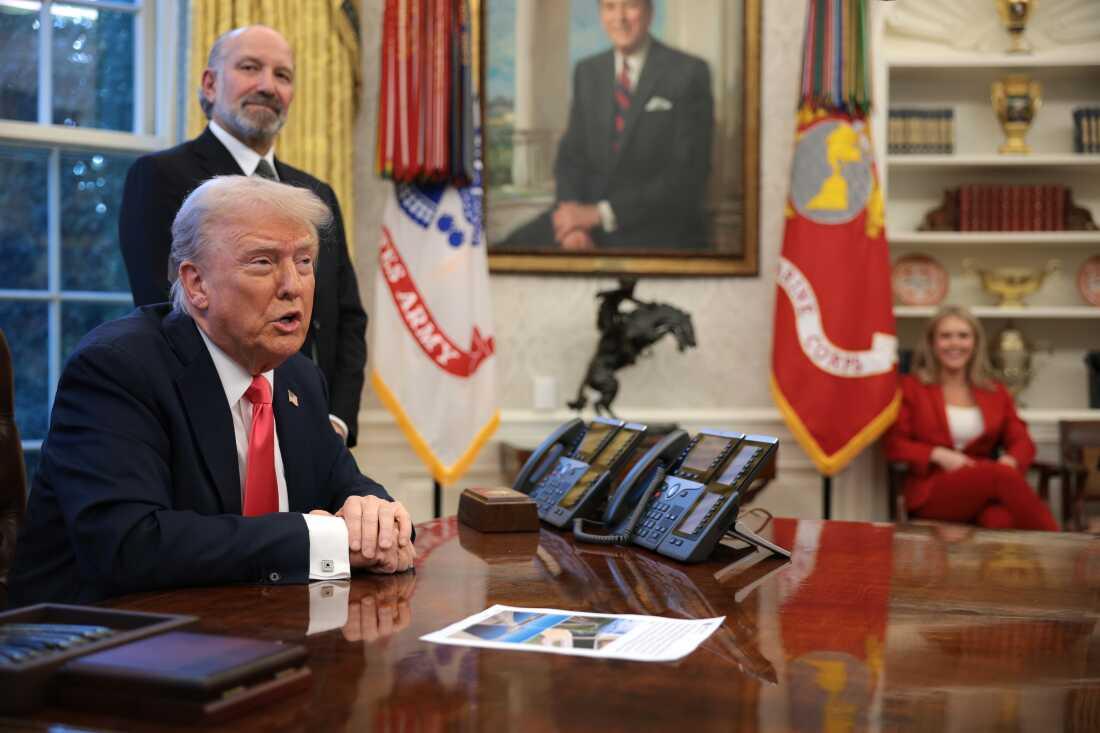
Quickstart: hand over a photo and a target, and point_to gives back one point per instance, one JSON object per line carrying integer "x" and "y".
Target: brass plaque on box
{"x": 498, "y": 509}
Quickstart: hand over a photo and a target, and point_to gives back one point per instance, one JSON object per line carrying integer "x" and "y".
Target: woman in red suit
{"x": 953, "y": 416}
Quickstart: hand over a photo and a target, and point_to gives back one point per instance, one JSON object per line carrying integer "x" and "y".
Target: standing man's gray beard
{"x": 247, "y": 129}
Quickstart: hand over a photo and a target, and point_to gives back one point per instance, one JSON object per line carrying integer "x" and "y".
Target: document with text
{"x": 604, "y": 635}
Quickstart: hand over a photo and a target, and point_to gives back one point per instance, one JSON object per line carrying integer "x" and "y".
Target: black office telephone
{"x": 686, "y": 494}
{"x": 570, "y": 473}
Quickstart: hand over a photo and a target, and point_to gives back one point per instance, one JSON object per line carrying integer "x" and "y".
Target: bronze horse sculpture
{"x": 624, "y": 337}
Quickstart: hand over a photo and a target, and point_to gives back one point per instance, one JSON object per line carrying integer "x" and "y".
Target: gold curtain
{"x": 318, "y": 137}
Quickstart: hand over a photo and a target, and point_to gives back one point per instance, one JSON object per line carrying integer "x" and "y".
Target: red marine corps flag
{"x": 834, "y": 351}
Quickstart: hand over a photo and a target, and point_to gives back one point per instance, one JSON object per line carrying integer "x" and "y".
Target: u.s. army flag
{"x": 435, "y": 368}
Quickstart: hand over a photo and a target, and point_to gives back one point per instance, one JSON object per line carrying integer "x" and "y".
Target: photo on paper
{"x": 562, "y": 631}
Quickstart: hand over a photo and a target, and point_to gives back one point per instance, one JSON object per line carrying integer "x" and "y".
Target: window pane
{"x": 79, "y": 318}
{"x": 23, "y": 217}
{"x": 93, "y": 67}
{"x": 24, "y": 325}
{"x": 91, "y": 191}
{"x": 19, "y": 61}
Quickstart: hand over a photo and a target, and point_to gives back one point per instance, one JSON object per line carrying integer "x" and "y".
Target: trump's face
{"x": 626, "y": 23}
{"x": 252, "y": 90}
{"x": 253, "y": 292}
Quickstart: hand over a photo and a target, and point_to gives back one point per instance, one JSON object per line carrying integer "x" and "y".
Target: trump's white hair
{"x": 218, "y": 204}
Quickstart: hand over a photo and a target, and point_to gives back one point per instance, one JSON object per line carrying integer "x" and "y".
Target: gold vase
{"x": 1014, "y": 14}
{"x": 1011, "y": 357}
{"x": 1010, "y": 284}
{"x": 1016, "y": 100}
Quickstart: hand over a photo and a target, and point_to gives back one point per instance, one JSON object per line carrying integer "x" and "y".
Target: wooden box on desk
{"x": 498, "y": 509}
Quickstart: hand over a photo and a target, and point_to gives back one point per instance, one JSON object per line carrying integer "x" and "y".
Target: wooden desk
{"x": 870, "y": 626}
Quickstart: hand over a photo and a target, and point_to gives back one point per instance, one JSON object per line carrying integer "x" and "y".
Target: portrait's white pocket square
{"x": 658, "y": 104}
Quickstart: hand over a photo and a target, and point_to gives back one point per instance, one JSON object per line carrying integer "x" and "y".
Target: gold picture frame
{"x": 732, "y": 198}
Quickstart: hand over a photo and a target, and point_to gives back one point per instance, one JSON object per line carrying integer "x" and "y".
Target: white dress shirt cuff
{"x": 328, "y": 548}
{"x": 607, "y": 216}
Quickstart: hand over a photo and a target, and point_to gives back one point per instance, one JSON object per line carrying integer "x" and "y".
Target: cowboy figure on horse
{"x": 624, "y": 336}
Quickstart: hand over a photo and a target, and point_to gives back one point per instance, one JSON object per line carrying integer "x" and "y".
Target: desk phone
{"x": 687, "y": 493}
{"x": 570, "y": 473}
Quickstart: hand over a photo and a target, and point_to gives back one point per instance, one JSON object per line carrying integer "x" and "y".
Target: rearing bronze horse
{"x": 624, "y": 337}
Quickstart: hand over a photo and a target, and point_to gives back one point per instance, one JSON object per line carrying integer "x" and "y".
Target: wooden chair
{"x": 1078, "y": 470}
{"x": 13, "y": 476}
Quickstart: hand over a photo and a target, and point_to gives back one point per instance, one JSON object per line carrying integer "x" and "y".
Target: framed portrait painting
{"x": 622, "y": 136}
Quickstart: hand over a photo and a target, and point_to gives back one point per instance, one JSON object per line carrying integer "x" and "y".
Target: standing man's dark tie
{"x": 264, "y": 170}
{"x": 622, "y": 105}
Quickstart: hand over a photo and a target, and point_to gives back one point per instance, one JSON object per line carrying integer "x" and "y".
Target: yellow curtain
{"x": 318, "y": 137}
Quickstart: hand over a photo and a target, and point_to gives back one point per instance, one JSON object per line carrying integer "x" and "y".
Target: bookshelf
{"x": 953, "y": 66}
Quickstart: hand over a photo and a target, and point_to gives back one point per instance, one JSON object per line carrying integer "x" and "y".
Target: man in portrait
{"x": 190, "y": 441}
{"x": 246, "y": 93}
{"x": 632, "y": 168}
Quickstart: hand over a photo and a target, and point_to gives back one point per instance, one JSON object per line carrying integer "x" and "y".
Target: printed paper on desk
{"x": 604, "y": 635}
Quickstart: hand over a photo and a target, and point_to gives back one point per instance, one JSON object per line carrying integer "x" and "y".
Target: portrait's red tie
{"x": 622, "y": 104}
{"x": 261, "y": 492}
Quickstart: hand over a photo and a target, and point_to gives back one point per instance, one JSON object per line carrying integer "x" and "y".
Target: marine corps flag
{"x": 834, "y": 351}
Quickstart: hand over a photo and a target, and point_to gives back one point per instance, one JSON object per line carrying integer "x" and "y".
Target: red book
{"x": 983, "y": 217}
{"x": 1060, "y": 209}
{"x": 1015, "y": 217}
{"x": 964, "y": 209}
{"x": 1036, "y": 208}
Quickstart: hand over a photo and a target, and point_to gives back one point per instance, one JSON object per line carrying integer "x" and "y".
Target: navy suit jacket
{"x": 138, "y": 486}
{"x": 656, "y": 182}
{"x": 155, "y": 189}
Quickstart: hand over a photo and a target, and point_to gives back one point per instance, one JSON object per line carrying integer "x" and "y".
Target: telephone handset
{"x": 697, "y": 500}
{"x": 569, "y": 474}
{"x": 625, "y": 507}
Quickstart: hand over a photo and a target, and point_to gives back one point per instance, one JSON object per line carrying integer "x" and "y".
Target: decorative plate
{"x": 919, "y": 280}
{"x": 1088, "y": 280}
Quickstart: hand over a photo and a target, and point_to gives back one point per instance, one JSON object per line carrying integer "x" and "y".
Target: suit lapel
{"x": 204, "y": 402}
{"x": 939, "y": 406}
{"x": 654, "y": 67}
{"x": 214, "y": 157}
{"x": 291, "y": 423}
{"x": 988, "y": 404}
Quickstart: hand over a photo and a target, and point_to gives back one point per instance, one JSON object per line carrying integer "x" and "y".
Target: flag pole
{"x": 826, "y": 497}
{"x": 437, "y": 500}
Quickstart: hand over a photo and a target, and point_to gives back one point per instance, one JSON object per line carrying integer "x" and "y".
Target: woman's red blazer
{"x": 922, "y": 425}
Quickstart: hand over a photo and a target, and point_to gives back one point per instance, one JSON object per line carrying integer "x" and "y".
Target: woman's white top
{"x": 966, "y": 424}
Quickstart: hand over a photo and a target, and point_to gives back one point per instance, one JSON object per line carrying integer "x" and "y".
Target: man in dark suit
{"x": 189, "y": 442}
{"x": 632, "y": 167}
{"x": 246, "y": 92}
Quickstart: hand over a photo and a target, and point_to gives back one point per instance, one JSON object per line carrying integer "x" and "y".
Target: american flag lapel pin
{"x": 292, "y": 397}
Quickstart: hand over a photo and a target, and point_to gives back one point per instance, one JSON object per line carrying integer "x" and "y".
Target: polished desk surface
{"x": 869, "y": 627}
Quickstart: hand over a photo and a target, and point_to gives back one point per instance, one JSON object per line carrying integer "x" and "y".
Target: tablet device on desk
{"x": 184, "y": 676}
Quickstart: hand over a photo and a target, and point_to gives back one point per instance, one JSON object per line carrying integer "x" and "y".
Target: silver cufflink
{"x": 327, "y": 566}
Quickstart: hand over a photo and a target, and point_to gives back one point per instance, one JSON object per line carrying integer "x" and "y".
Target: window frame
{"x": 159, "y": 75}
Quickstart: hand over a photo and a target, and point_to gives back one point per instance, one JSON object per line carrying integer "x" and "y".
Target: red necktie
{"x": 261, "y": 492}
{"x": 622, "y": 104}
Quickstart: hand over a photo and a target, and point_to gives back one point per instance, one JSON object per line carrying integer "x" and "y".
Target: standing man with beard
{"x": 246, "y": 92}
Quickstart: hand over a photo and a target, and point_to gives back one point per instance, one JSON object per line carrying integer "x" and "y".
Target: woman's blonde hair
{"x": 927, "y": 367}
